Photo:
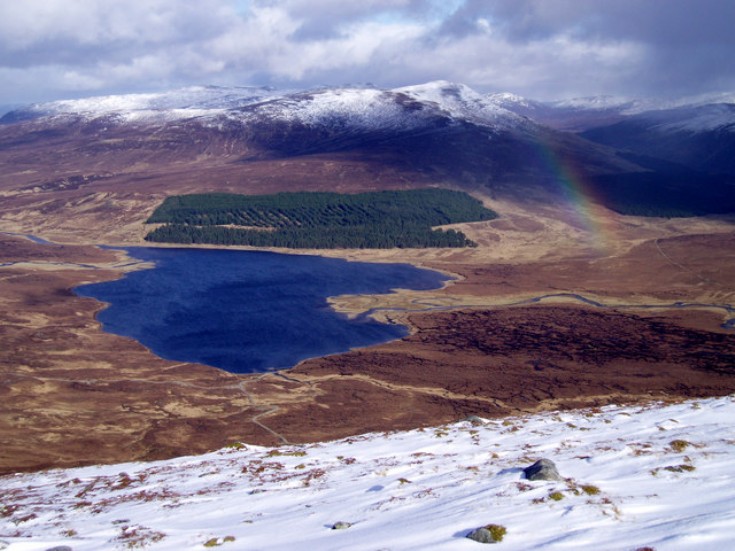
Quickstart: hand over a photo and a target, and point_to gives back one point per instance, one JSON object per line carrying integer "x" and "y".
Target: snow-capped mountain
{"x": 369, "y": 107}
{"x": 647, "y": 477}
{"x": 697, "y": 132}
{"x": 463, "y": 103}
{"x": 570, "y": 115}
{"x": 700, "y": 137}
{"x": 441, "y": 127}
{"x": 584, "y": 113}
{"x": 361, "y": 107}
{"x": 289, "y": 122}
{"x": 176, "y": 104}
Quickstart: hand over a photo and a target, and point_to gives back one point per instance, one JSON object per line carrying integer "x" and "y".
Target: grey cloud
{"x": 688, "y": 45}
{"x": 538, "y": 48}
{"x": 325, "y": 19}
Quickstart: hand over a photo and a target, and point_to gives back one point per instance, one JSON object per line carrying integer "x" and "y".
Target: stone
{"x": 341, "y": 525}
{"x": 543, "y": 469}
{"x": 492, "y": 533}
{"x": 475, "y": 421}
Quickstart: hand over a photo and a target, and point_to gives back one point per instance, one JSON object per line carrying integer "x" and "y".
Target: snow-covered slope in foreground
{"x": 656, "y": 477}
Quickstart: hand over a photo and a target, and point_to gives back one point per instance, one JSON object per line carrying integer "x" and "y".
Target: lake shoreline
{"x": 258, "y": 277}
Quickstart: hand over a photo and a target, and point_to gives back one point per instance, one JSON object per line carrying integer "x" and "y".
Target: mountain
{"x": 176, "y": 104}
{"x": 412, "y": 136}
{"x": 573, "y": 115}
{"x": 687, "y": 148}
{"x": 698, "y": 133}
{"x": 584, "y": 113}
{"x": 353, "y": 138}
{"x": 701, "y": 137}
{"x": 415, "y": 120}
{"x": 650, "y": 477}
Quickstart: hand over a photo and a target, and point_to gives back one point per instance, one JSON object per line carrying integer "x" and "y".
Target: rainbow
{"x": 585, "y": 204}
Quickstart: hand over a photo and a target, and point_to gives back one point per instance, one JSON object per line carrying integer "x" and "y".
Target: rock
{"x": 341, "y": 525}
{"x": 492, "y": 533}
{"x": 60, "y": 548}
{"x": 543, "y": 469}
{"x": 475, "y": 421}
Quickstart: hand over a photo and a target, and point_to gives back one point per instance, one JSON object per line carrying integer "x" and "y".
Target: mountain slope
{"x": 573, "y": 115}
{"x": 442, "y": 129}
{"x": 176, "y": 104}
{"x": 699, "y": 137}
{"x": 639, "y": 477}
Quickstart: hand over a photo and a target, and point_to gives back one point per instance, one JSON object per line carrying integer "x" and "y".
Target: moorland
{"x": 562, "y": 303}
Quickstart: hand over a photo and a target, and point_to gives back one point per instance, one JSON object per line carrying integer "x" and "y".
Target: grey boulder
{"x": 543, "y": 469}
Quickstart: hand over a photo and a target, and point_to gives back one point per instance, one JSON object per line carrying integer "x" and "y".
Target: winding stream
{"x": 728, "y": 309}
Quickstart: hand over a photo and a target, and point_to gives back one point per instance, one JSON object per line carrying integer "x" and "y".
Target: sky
{"x": 541, "y": 49}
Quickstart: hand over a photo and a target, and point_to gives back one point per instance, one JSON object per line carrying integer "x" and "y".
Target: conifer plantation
{"x": 377, "y": 220}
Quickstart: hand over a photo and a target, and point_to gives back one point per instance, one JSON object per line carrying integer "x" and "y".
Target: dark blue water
{"x": 246, "y": 311}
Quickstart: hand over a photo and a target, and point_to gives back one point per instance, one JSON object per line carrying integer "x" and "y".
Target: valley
{"x": 83, "y": 396}
{"x": 75, "y": 395}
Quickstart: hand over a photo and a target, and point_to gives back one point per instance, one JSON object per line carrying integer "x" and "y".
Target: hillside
{"x": 700, "y": 137}
{"x": 656, "y": 477}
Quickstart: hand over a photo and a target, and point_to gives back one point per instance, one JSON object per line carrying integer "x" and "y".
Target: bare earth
{"x": 72, "y": 394}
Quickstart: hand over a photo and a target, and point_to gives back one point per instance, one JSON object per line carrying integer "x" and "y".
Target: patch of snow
{"x": 508, "y": 97}
{"x": 634, "y": 106}
{"x": 463, "y": 103}
{"x": 363, "y": 107}
{"x": 595, "y": 102}
{"x": 655, "y": 476}
{"x": 176, "y": 104}
{"x": 705, "y": 99}
{"x": 354, "y": 109}
{"x": 707, "y": 118}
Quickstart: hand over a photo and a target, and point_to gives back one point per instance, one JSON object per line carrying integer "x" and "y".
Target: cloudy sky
{"x": 543, "y": 49}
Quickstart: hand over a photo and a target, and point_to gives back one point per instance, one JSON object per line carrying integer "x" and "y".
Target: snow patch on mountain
{"x": 656, "y": 476}
{"x": 620, "y": 103}
{"x": 463, "y": 103}
{"x": 351, "y": 109}
{"x": 707, "y": 118}
{"x": 509, "y": 98}
{"x": 176, "y": 104}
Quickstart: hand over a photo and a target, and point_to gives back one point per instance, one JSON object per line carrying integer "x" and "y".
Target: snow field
{"x": 635, "y": 477}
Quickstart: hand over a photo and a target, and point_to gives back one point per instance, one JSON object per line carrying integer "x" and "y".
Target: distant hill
{"x": 699, "y": 137}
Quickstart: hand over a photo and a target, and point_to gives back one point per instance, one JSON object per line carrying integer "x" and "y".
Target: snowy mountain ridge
{"x": 362, "y": 107}
{"x": 463, "y": 103}
{"x": 639, "y": 477}
{"x": 365, "y": 107}
{"x": 181, "y": 103}
{"x": 624, "y": 104}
